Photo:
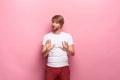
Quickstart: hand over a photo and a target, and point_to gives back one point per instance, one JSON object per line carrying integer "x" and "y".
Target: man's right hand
{"x": 48, "y": 45}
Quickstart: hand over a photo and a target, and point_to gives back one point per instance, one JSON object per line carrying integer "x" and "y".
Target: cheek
{"x": 59, "y": 26}
{"x": 56, "y": 25}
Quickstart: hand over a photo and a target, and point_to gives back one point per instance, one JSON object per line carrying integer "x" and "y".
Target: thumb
{"x": 53, "y": 45}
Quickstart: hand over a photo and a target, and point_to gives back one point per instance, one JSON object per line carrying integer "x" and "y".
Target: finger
{"x": 66, "y": 43}
{"x": 48, "y": 41}
{"x": 61, "y": 48}
{"x": 53, "y": 46}
{"x": 63, "y": 44}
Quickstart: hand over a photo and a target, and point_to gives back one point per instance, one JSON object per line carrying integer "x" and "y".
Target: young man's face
{"x": 55, "y": 26}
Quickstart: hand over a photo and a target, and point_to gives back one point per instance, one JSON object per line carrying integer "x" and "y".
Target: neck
{"x": 58, "y": 31}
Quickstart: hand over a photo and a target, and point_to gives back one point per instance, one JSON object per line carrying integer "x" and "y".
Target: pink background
{"x": 94, "y": 25}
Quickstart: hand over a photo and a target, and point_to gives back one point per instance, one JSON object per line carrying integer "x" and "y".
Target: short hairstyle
{"x": 58, "y": 19}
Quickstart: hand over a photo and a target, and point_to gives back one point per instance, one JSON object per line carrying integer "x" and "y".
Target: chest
{"x": 57, "y": 40}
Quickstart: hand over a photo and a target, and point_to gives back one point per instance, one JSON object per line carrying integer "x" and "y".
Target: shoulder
{"x": 66, "y": 34}
{"x": 48, "y": 34}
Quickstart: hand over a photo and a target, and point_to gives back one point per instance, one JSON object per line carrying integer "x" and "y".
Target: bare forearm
{"x": 70, "y": 52}
{"x": 44, "y": 51}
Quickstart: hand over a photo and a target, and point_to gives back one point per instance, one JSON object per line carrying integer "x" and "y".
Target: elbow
{"x": 72, "y": 54}
{"x": 43, "y": 54}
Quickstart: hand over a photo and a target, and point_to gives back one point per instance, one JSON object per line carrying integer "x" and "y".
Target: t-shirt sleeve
{"x": 44, "y": 40}
{"x": 70, "y": 40}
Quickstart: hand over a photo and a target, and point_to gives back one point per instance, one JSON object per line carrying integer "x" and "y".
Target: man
{"x": 57, "y": 46}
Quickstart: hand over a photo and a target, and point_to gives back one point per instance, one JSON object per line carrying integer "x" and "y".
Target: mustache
{"x": 54, "y": 29}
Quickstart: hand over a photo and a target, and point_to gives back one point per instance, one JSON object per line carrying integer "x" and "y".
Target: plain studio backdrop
{"x": 93, "y": 24}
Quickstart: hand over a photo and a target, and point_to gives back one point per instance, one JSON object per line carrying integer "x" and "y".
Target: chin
{"x": 55, "y": 29}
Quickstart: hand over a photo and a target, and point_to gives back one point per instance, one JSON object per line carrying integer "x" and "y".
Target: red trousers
{"x": 62, "y": 73}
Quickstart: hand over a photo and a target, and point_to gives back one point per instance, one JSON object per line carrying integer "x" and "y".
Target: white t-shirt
{"x": 57, "y": 57}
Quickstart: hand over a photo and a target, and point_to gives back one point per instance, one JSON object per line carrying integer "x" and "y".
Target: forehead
{"x": 55, "y": 21}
